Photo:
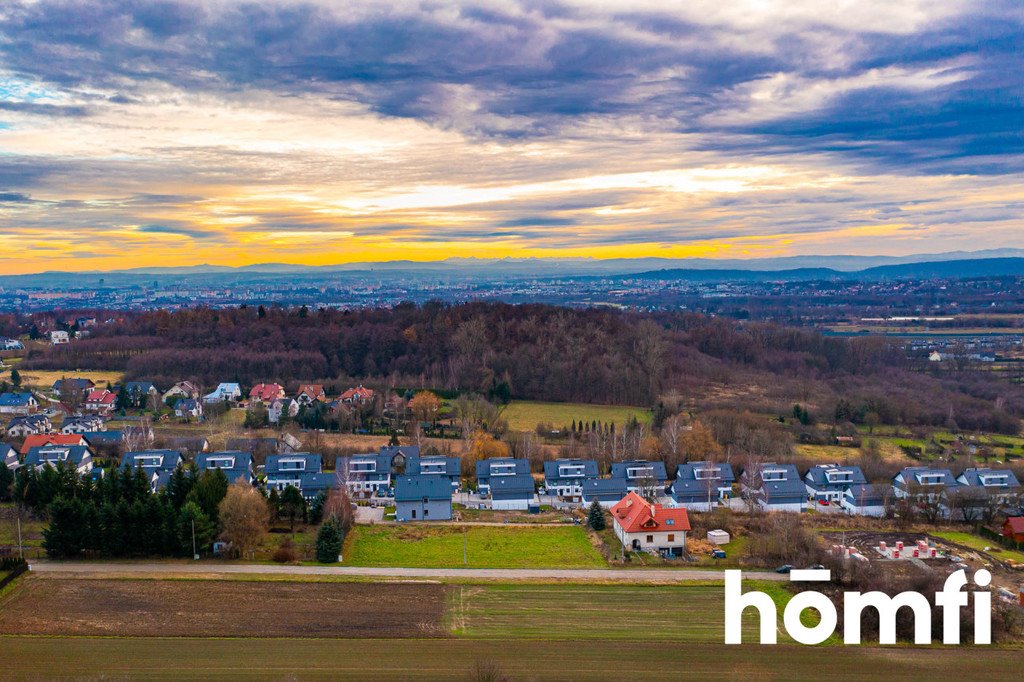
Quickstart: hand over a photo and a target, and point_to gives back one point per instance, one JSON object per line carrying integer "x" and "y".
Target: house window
{"x": 671, "y": 537}
{"x": 414, "y": 513}
{"x": 650, "y": 539}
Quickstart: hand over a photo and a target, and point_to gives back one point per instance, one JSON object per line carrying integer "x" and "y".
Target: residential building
{"x": 9, "y": 456}
{"x": 702, "y": 485}
{"x": 266, "y": 393}
{"x": 357, "y": 395}
{"x": 310, "y": 393}
{"x": 365, "y": 475}
{"x": 606, "y": 491}
{"x": 236, "y": 465}
{"x": 37, "y": 440}
{"x": 189, "y": 409}
{"x": 182, "y": 389}
{"x": 78, "y": 457}
{"x": 829, "y": 482}
{"x": 223, "y": 392}
{"x": 72, "y": 385}
{"x": 59, "y": 337}
{"x": 435, "y": 465}
{"x": 487, "y": 469}
{"x": 11, "y": 344}
{"x": 641, "y": 475}
{"x": 158, "y": 464}
{"x": 282, "y": 408}
{"x": 862, "y": 499}
{"x": 516, "y": 492}
{"x": 776, "y": 487}
{"x": 188, "y": 444}
{"x": 89, "y": 423}
{"x": 22, "y": 427}
{"x": 1000, "y": 484}
{"x": 919, "y": 481}
{"x": 100, "y": 401}
{"x": 423, "y": 498}
{"x": 645, "y": 527}
{"x": 98, "y": 439}
{"x": 282, "y": 471}
{"x": 1013, "y": 528}
{"x": 23, "y": 403}
{"x": 140, "y": 392}
{"x": 564, "y": 477}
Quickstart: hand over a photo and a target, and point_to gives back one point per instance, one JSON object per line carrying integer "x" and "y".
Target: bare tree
{"x": 752, "y": 488}
{"x": 138, "y": 437}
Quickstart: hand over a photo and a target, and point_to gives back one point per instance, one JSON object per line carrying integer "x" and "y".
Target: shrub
{"x": 285, "y": 552}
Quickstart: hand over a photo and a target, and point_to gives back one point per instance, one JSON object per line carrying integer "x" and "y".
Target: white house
{"x": 864, "y": 500}
{"x": 225, "y": 391}
{"x": 645, "y": 527}
{"x": 59, "y": 337}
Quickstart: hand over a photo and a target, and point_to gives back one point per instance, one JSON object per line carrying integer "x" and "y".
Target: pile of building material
{"x": 920, "y": 550}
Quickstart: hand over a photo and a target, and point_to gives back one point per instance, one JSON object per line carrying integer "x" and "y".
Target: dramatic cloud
{"x": 181, "y": 131}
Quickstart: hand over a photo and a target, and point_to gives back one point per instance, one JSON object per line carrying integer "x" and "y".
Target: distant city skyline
{"x": 180, "y": 132}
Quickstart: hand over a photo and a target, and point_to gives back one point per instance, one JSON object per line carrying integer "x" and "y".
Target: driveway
{"x": 369, "y": 515}
{"x": 215, "y": 569}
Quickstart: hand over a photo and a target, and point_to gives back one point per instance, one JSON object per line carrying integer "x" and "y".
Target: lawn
{"x": 31, "y": 531}
{"x": 826, "y": 453}
{"x": 421, "y": 546}
{"x": 980, "y": 543}
{"x": 524, "y": 415}
{"x": 42, "y": 380}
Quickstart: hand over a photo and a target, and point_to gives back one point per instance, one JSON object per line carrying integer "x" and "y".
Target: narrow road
{"x": 214, "y": 569}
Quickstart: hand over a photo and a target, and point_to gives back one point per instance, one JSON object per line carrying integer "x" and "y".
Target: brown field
{"x": 222, "y": 608}
{"x": 42, "y": 379}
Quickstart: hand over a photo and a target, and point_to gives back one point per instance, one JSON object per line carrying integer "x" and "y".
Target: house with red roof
{"x": 1013, "y": 528}
{"x": 266, "y": 393}
{"x": 360, "y": 394}
{"x": 100, "y": 401}
{"x": 310, "y": 393}
{"x": 38, "y": 440}
{"x": 642, "y": 526}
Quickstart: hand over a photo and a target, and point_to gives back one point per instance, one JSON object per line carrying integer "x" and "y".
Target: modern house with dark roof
{"x": 1001, "y": 484}
{"x": 365, "y": 475}
{"x": 435, "y": 465}
{"x": 89, "y": 423}
{"x": 917, "y": 481}
{"x": 98, "y": 439}
{"x": 235, "y": 464}
{"x": 776, "y": 487}
{"x": 423, "y": 498}
{"x": 79, "y": 457}
{"x": 282, "y": 471}
{"x": 862, "y": 499}
{"x": 639, "y": 474}
{"x": 72, "y": 384}
{"x": 159, "y": 464}
{"x": 498, "y": 467}
{"x": 564, "y": 477}
{"x": 27, "y": 425}
{"x": 515, "y": 492}
{"x": 607, "y": 491}
{"x": 702, "y": 485}
{"x": 829, "y": 482}
{"x": 9, "y": 456}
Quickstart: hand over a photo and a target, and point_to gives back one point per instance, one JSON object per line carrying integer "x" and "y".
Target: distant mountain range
{"x": 997, "y": 262}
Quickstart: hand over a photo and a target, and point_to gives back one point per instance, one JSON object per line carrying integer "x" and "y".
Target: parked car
{"x": 786, "y": 568}
{"x": 717, "y": 554}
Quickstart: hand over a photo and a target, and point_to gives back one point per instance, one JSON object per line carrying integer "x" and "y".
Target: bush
{"x": 285, "y": 552}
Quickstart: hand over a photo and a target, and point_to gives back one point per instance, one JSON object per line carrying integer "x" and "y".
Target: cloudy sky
{"x": 176, "y": 132}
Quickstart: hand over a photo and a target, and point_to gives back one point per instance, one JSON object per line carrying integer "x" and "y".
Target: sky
{"x": 178, "y": 132}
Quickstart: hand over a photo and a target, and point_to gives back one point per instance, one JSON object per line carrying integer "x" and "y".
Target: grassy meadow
{"x": 524, "y": 415}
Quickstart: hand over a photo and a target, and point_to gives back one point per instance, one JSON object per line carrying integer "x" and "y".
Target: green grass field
{"x": 524, "y": 415}
{"x": 487, "y": 547}
{"x": 980, "y": 543}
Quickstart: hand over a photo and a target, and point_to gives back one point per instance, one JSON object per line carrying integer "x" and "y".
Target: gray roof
{"x": 312, "y": 463}
{"x": 913, "y": 475}
{"x": 415, "y": 463}
{"x": 483, "y": 467}
{"x": 312, "y": 484}
{"x": 103, "y": 437}
{"x": 864, "y": 495}
{"x": 415, "y": 488}
{"x": 622, "y": 469}
{"x": 834, "y": 477}
{"x": 790, "y": 486}
{"x": 516, "y": 487}
{"x": 169, "y": 459}
{"x": 48, "y": 454}
{"x": 30, "y": 419}
{"x": 604, "y": 489}
{"x": 242, "y": 463}
{"x": 689, "y": 488}
{"x": 552, "y": 474}
{"x": 379, "y": 463}
{"x": 989, "y": 478}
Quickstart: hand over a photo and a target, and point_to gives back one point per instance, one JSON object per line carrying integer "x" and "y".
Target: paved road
{"x": 581, "y": 575}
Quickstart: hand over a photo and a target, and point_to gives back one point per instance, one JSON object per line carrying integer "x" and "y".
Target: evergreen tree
{"x": 208, "y": 491}
{"x": 6, "y": 482}
{"x": 205, "y": 531}
{"x": 292, "y": 505}
{"x": 328, "y": 542}
{"x": 65, "y": 535}
{"x": 595, "y": 516}
{"x": 16, "y": 377}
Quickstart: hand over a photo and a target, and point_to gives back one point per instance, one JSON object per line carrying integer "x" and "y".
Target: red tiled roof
{"x": 266, "y": 392}
{"x": 636, "y": 515}
{"x": 314, "y": 391}
{"x": 40, "y": 439}
{"x": 103, "y": 397}
{"x": 1016, "y": 524}
{"x": 363, "y": 393}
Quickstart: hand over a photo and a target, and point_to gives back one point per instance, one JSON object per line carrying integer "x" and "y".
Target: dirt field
{"x": 179, "y": 608}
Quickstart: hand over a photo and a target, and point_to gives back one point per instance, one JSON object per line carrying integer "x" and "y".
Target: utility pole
{"x": 465, "y": 546}
{"x": 195, "y": 554}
